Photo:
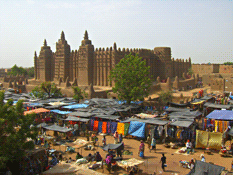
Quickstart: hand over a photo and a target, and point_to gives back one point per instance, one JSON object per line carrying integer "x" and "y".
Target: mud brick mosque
{"x": 88, "y": 65}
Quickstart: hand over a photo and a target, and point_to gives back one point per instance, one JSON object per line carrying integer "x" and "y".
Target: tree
{"x": 46, "y": 89}
{"x": 79, "y": 94}
{"x": 30, "y": 72}
{"x": 38, "y": 93}
{"x": 190, "y": 71}
{"x": 164, "y": 98}
{"x": 15, "y": 70}
{"x": 14, "y": 132}
{"x": 132, "y": 78}
{"x": 228, "y": 63}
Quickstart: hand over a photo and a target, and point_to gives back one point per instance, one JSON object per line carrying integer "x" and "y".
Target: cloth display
{"x": 160, "y": 130}
{"x": 113, "y": 127}
{"x": 108, "y": 127}
{"x": 95, "y": 127}
{"x": 126, "y": 129}
{"x": 104, "y": 127}
{"x": 120, "y": 128}
{"x": 220, "y": 126}
{"x": 92, "y": 124}
{"x": 100, "y": 126}
{"x": 216, "y": 126}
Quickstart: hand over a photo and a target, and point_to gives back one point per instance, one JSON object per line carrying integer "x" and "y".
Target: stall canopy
{"x": 36, "y": 111}
{"x": 179, "y": 105}
{"x": 207, "y": 98}
{"x": 143, "y": 115}
{"x": 76, "y": 119}
{"x": 57, "y": 128}
{"x": 41, "y": 125}
{"x": 60, "y": 112}
{"x": 201, "y": 168}
{"x": 186, "y": 113}
{"x": 75, "y": 106}
{"x": 131, "y": 119}
{"x": 156, "y": 121}
{"x": 81, "y": 114}
{"x": 217, "y": 106}
{"x": 109, "y": 117}
{"x": 114, "y": 147}
{"x": 197, "y": 102}
{"x": 220, "y": 115}
{"x": 180, "y": 123}
{"x": 173, "y": 109}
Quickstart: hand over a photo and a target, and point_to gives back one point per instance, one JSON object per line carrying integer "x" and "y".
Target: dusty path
{"x": 152, "y": 159}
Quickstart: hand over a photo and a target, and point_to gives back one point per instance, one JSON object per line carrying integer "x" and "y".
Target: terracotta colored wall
{"x": 225, "y": 68}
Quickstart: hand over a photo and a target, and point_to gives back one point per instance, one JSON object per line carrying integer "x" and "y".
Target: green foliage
{"x": 46, "y": 89}
{"x": 15, "y": 70}
{"x": 190, "y": 71}
{"x": 132, "y": 78}
{"x": 1, "y": 98}
{"x": 164, "y": 97}
{"x": 228, "y": 63}
{"x": 30, "y": 72}
{"x": 38, "y": 93}
{"x": 79, "y": 94}
{"x": 14, "y": 131}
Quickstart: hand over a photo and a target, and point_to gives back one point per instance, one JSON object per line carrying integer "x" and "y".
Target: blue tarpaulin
{"x": 60, "y": 112}
{"x": 221, "y": 115}
{"x": 137, "y": 129}
{"x": 75, "y": 106}
{"x": 132, "y": 102}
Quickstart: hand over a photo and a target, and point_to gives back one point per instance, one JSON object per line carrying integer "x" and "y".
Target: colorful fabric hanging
{"x": 113, "y": 127}
{"x": 205, "y": 123}
{"x": 216, "y": 126}
{"x": 100, "y": 126}
{"x": 95, "y": 127}
{"x": 220, "y": 126}
{"x": 109, "y": 127}
{"x": 104, "y": 127}
{"x": 126, "y": 129}
{"x": 120, "y": 128}
{"x": 225, "y": 126}
{"x": 92, "y": 124}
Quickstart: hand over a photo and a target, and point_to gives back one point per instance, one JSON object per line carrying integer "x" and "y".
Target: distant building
{"x": 3, "y": 72}
{"x": 93, "y": 66}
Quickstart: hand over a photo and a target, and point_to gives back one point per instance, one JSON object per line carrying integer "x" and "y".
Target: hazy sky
{"x": 200, "y": 29}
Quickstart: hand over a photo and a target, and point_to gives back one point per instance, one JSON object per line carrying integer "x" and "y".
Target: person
{"x": 119, "y": 153}
{"x": 98, "y": 157}
{"x": 115, "y": 137}
{"x": 104, "y": 140}
{"x": 148, "y": 140}
{"x": 120, "y": 138}
{"x": 163, "y": 160}
{"x": 78, "y": 156}
{"x": 108, "y": 161}
{"x": 87, "y": 133}
{"x": 54, "y": 160}
{"x": 70, "y": 160}
{"x": 141, "y": 149}
{"x": 60, "y": 158}
{"x": 191, "y": 164}
{"x": 94, "y": 139}
{"x": 89, "y": 157}
{"x": 188, "y": 146}
{"x": 110, "y": 152}
{"x": 153, "y": 144}
{"x": 202, "y": 158}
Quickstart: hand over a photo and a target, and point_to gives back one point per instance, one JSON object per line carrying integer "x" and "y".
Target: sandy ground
{"x": 152, "y": 159}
